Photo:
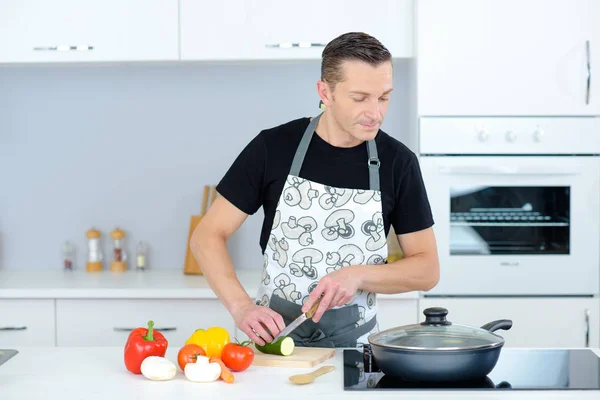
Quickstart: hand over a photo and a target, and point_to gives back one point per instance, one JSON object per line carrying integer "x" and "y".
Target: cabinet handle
{"x": 165, "y": 329}
{"x": 589, "y": 71}
{"x": 587, "y": 327}
{"x": 287, "y": 45}
{"x": 12, "y": 328}
{"x": 64, "y": 47}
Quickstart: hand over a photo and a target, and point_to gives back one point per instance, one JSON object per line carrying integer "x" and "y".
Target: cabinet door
{"x": 50, "y": 31}
{"x": 508, "y": 57}
{"x": 551, "y": 322}
{"x": 26, "y": 322}
{"x": 108, "y": 322}
{"x": 270, "y": 29}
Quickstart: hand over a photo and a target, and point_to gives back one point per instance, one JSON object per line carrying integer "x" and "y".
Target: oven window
{"x": 488, "y": 220}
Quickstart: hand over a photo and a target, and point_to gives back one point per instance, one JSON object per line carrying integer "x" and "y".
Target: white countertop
{"x": 67, "y": 373}
{"x": 152, "y": 283}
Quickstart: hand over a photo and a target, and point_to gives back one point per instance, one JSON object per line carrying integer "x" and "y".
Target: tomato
{"x": 237, "y": 357}
{"x": 188, "y": 353}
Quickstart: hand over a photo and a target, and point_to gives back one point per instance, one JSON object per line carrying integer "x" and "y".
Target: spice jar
{"x": 141, "y": 256}
{"x": 68, "y": 256}
{"x": 119, "y": 261}
{"x": 94, "y": 263}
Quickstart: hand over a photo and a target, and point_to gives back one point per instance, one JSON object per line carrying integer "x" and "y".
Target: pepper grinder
{"x": 119, "y": 262}
{"x": 68, "y": 256}
{"x": 94, "y": 263}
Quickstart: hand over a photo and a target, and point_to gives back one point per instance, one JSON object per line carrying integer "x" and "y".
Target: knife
{"x": 298, "y": 321}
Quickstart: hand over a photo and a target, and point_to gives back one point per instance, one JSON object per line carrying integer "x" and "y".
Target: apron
{"x": 318, "y": 229}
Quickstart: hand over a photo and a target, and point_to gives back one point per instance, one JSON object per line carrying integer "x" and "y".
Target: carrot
{"x": 226, "y": 373}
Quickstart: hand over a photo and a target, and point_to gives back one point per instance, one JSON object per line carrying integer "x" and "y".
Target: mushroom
{"x": 299, "y": 193}
{"x": 306, "y": 258}
{"x": 371, "y": 300}
{"x": 280, "y": 249}
{"x": 338, "y": 225}
{"x": 300, "y": 229}
{"x": 266, "y": 278}
{"x": 375, "y": 259}
{"x": 307, "y": 195}
{"x": 276, "y": 220}
{"x": 286, "y": 289}
{"x": 334, "y": 197}
{"x": 374, "y": 229}
{"x": 263, "y": 301}
{"x": 361, "y": 313}
{"x": 310, "y": 289}
{"x": 292, "y": 196}
{"x": 348, "y": 254}
{"x": 362, "y": 196}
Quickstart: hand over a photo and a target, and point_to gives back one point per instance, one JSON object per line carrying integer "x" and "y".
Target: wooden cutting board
{"x": 302, "y": 357}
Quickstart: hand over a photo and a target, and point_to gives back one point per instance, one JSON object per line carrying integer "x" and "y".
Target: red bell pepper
{"x": 142, "y": 343}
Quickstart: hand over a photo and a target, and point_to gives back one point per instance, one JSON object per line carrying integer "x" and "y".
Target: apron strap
{"x": 373, "y": 160}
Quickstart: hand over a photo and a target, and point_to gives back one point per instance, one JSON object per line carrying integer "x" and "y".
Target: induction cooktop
{"x": 517, "y": 369}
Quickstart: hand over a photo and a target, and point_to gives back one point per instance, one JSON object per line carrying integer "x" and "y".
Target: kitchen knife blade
{"x": 6, "y": 355}
{"x": 298, "y": 321}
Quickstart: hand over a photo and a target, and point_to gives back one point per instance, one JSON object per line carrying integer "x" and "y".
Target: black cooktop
{"x": 517, "y": 369}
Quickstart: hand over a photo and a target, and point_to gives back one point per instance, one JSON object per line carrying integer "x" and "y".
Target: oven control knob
{"x": 483, "y": 135}
{"x": 537, "y": 135}
{"x": 511, "y": 136}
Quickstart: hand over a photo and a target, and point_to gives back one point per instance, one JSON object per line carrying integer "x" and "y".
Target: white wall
{"x": 133, "y": 145}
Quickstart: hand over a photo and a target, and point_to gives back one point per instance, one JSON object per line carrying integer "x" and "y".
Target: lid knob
{"x": 435, "y": 316}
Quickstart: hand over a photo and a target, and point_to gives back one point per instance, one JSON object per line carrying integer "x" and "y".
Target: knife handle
{"x": 310, "y": 313}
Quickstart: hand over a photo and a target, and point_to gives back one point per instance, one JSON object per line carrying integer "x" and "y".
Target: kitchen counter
{"x": 99, "y": 373}
{"x": 149, "y": 284}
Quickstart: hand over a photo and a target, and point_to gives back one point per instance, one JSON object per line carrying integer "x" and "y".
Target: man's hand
{"x": 252, "y": 319}
{"x": 337, "y": 289}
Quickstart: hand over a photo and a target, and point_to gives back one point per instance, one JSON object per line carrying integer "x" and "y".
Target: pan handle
{"x": 505, "y": 324}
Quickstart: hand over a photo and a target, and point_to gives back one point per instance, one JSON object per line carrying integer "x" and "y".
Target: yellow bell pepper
{"x": 211, "y": 340}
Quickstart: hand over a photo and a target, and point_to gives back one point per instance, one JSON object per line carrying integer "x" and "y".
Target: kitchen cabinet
{"x": 272, "y": 30}
{"x": 108, "y": 322}
{"x": 508, "y": 57}
{"x": 26, "y": 322}
{"x": 108, "y": 30}
{"x": 537, "y": 322}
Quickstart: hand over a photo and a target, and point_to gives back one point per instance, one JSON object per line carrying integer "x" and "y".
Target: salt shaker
{"x": 94, "y": 263}
{"x": 141, "y": 256}
{"x": 119, "y": 261}
{"x": 68, "y": 256}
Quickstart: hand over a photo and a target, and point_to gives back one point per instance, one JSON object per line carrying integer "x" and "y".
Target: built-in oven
{"x": 516, "y": 203}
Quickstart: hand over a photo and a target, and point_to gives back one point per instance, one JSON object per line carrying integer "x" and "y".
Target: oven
{"x": 516, "y": 203}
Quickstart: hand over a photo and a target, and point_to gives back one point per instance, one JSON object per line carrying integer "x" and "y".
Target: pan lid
{"x": 437, "y": 333}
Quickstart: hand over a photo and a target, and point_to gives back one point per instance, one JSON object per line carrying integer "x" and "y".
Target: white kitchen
{"x": 118, "y": 118}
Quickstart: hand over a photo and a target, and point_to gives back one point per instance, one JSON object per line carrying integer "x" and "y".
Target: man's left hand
{"x": 337, "y": 289}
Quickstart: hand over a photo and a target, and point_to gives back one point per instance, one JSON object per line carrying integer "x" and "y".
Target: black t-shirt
{"x": 257, "y": 176}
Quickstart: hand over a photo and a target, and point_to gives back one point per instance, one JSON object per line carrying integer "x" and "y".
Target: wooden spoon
{"x": 303, "y": 379}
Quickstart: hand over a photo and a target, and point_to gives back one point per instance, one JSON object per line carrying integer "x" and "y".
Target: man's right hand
{"x": 252, "y": 319}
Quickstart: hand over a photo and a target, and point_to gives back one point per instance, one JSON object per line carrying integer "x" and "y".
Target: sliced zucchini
{"x": 282, "y": 347}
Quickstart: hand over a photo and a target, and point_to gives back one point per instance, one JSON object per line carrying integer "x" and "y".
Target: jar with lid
{"x": 94, "y": 263}
{"x": 141, "y": 256}
{"x": 119, "y": 261}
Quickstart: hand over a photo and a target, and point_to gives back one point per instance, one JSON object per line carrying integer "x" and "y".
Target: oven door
{"x": 520, "y": 225}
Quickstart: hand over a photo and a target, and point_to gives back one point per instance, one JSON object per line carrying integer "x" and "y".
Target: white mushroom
{"x": 300, "y": 229}
{"x": 375, "y": 259}
{"x": 276, "y": 219}
{"x": 292, "y": 196}
{"x": 334, "y": 197}
{"x": 362, "y": 196}
{"x": 307, "y": 195}
{"x": 348, "y": 254}
{"x": 305, "y": 258}
{"x": 371, "y": 300}
{"x": 338, "y": 225}
{"x": 263, "y": 301}
{"x": 374, "y": 229}
{"x": 280, "y": 249}
{"x": 266, "y": 278}
{"x": 285, "y": 289}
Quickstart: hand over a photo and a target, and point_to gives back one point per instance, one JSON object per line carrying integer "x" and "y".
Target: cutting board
{"x": 302, "y": 357}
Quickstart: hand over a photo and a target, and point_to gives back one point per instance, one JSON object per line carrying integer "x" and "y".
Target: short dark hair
{"x": 351, "y": 46}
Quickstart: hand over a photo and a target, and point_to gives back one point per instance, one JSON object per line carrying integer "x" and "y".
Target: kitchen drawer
{"x": 108, "y": 322}
{"x": 27, "y": 322}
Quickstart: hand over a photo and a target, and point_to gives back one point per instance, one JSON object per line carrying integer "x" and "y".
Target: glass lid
{"x": 437, "y": 333}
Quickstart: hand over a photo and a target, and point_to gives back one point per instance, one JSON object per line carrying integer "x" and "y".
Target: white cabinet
{"x": 537, "y": 322}
{"x": 108, "y": 322}
{"x": 508, "y": 57}
{"x": 132, "y": 30}
{"x": 265, "y": 29}
{"x": 393, "y": 313}
{"x": 26, "y": 322}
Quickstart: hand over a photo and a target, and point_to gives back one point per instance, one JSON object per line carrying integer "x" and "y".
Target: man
{"x": 331, "y": 187}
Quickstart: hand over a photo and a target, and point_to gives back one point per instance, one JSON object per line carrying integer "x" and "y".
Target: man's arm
{"x": 209, "y": 245}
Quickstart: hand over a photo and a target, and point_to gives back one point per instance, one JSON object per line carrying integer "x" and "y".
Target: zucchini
{"x": 282, "y": 347}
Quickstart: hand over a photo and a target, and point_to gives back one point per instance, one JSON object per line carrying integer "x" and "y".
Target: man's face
{"x": 359, "y": 102}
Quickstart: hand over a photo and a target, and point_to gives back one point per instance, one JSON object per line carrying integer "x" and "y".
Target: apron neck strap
{"x": 372, "y": 162}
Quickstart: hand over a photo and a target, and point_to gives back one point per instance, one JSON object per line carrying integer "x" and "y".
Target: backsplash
{"x": 133, "y": 145}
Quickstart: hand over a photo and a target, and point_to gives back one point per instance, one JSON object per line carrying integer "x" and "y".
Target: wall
{"x": 133, "y": 145}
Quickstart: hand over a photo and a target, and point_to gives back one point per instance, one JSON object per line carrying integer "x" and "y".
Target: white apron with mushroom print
{"x": 318, "y": 229}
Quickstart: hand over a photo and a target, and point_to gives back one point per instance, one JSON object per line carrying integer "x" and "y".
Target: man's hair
{"x": 351, "y": 46}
